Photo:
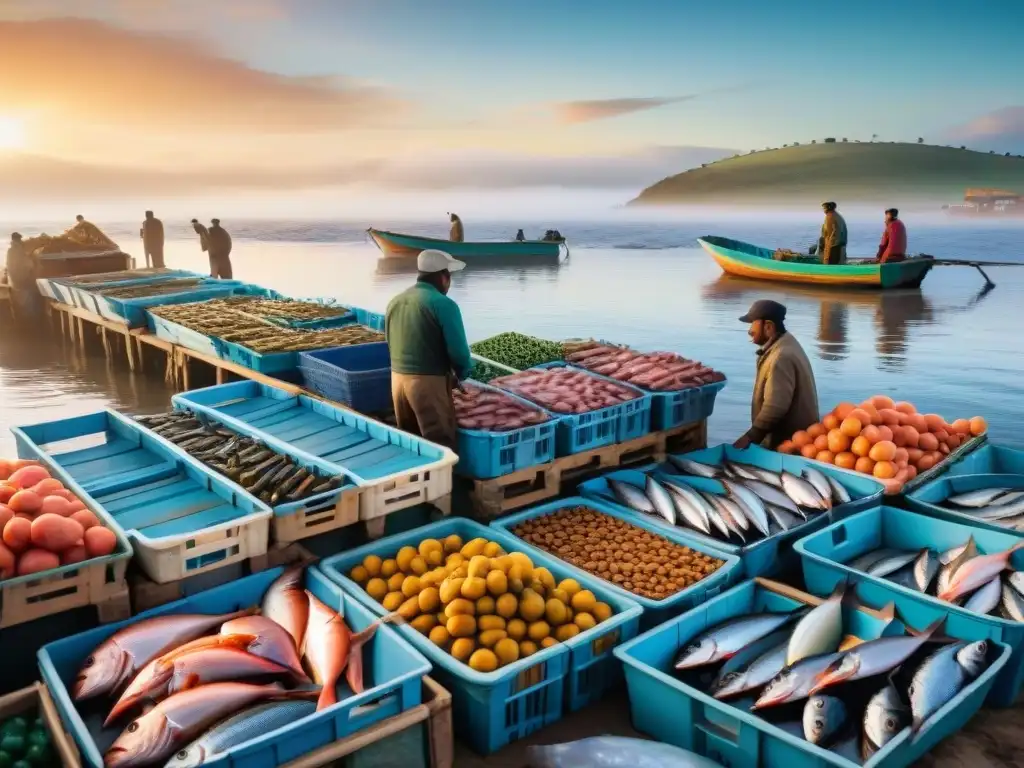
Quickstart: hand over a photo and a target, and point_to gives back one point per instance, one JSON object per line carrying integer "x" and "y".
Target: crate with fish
{"x": 939, "y": 568}
{"x": 682, "y": 391}
{"x": 592, "y": 411}
{"x": 752, "y": 503}
{"x": 182, "y": 518}
{"x": 369, "y": 318}
{"x": 393, "y": 469}
{"x": 333, "y": 669}
{"x": 273, "y": 354}
{"x": 994, "y": 502}
{"x": 512, "y": 633}
{"x": 129, "y": 304}
{"x": 307, "y": 496}
{"x": 58, "y": 549}
{"x": 500, "y": 433}
{"x": 84, "y": 294}
{"x": 767, "y": 675}
{"x": 294, "y": 313}
{"x": 358, "y": 376}
{"x": 31, "y": 733}
{"x": 665, "y": 570}
{"x": 890, "y": 441}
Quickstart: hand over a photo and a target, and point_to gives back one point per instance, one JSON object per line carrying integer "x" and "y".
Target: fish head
{"x": 973, "y": 658}
{"x": 103, "y": 671}
{"x": 702, "y": 651}
{"x": 823, "y": 715}
{"x": 151, "y": 683}
{"x": 191, "y": 756}
{"x": 145, "y": 740}
{"x": 778, "y": 691}
{"x": 727, "y": 684}
{"x": 838, "y": 671}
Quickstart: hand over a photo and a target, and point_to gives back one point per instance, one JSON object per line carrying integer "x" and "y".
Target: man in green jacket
{"x": 429, "y": 351}
{"x": 785, "y": 397}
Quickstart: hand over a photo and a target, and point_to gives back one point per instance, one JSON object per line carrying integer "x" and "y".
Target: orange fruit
{"x": 884, "y": 470}
{"x": 914, "y": 455}
{"x": 884, "y": 433}
{"x": 904, "y": 407}
{"x": 918, "y": 422}
{"x": 846, "y": 460}
{"x": 881, "y": 401}
{"x": 860, "y": 415}
{"x": 826, "y": 457}
{"x": 911, "y": 472}
{"x": 801, "y": 438}
{"x": 861, "y": 446}
{"x": 809, "y": 451}
{"x": 911, "y": 436}
{"x": 816, "y": 430}
{"x": 897, "y": 435}
{"x": 889, "y": 416}
{"x": 865, "y": 465}
{"x": 831, "y": 422}
{"x": 978, "y": 426}
{"x": 851, "y": 426}
{"x": 872, "y": 413}
{"x": 842, "y": 410}
{"x": 962, "y": 426}
{"x": 928, "y": 442}
{"x": 786, "y": 446}
{"x": 837, "y": 441}
{"x": 934, "y": 421}
{"x": 925, "y": 463}
{"x": 883, "y": 450}
{"x": 872, "y": 434}
{"x": 821, "y": 442}
{"x": 902, "y": 456}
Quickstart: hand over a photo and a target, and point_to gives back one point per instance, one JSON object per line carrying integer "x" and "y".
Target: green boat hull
{"x": 395, "y": 245}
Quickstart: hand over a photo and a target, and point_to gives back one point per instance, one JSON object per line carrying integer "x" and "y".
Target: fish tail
{"x": 928, "y": 631}
{"x": 390, "y": 618}
{"x": 840, "y": 588}
{"x": 354, "y": 670}
{"x": 327, "y": 697}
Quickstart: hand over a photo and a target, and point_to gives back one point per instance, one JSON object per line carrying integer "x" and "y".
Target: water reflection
{"x": 504, "y": 265}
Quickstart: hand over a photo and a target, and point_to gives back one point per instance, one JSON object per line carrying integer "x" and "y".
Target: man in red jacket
{"x": 894, "y": 239}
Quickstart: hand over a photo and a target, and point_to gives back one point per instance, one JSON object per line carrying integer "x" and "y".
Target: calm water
{"x": 948, "y": 348}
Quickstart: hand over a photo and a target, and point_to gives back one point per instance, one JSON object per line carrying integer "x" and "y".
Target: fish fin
{"x": 840, "y": 589}
{"x": 354, "y": 671}
{"x": 391, "y": 618}
{"x": 888, "y": 612}
{"x": 359, "y": 639}
{"x": 326, "y": 697}
{"x": 929, "y": 631}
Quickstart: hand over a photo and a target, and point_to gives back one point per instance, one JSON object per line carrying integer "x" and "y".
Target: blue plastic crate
{"x": 763, "y": 557}
{"x": 989, "y": 459}
{"x": 393, "y": 671}
{"x": 685, "y": 406}
{"x": 269, "y": 362}
{"x": 182, "y": 335}
{"x": 928, "y": 499}
{"x": 369, "y": 318}
{"x": 676, "y": 713}
{"x": 955, "y": 458}
{"x": 655, "y": 611}
{"x": 824, "y": 554}
{"x": 493, "y": 709}
{"x": 485, "y": 455}
{"x": 357, "y": 375}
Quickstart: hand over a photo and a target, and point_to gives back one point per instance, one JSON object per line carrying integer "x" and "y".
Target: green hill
{"x": 875, "y": 173}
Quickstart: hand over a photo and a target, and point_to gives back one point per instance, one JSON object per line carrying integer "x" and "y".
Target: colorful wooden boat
{"x": 746, "y": 260}
{"x": 395, "y": 245}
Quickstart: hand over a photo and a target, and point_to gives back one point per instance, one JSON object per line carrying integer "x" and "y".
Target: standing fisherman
{"x": 456, "y": 234}
{"x": 832, "y": 244}
{"x": 219, "y": 242}
{"x": 152, "y": 234}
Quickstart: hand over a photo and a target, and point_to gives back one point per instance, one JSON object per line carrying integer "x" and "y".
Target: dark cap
{"x": 765, "y": 309}
{"x": 894, "y": 211}
{"x": 829, "y": 205}
{"x": 195, "y": 221}
{"x": 15, "y": 235}
{"x": 215, "y": 222}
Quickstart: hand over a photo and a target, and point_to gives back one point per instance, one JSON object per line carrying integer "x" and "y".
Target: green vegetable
{"x": 39, "y": 736}
{"x": 518, "y": 350}
{"x": 23, "y": 764}
{"x": 6, "y": 761}
{"x": 485, "y": 372}
{"x": 13, "y": 745}
{"x": 39, "y": 755}
{"x": 16, "y": 726}
{"x": 38, "y": 724}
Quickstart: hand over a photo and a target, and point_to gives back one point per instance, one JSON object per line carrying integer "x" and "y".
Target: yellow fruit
{"x": 531, "y": 605}
{"x": 483, "y": 660}
{"x": 404, "y": 557}
{"x": 489, "y": 638}
{"x": 520, "y": 573}
{"x": 418, "y": 565}
{"x": 515, "y": 585}
{"x": 459, "y": 606}
{"x": 569, "y": 586}
{"x": 411, "y": 586}
{"x": 543, "y": 575}
{"x": 479, "y": 566}
{"x": 439, "y": 636}
{"x": 441, "y": 618}
{"x": 359, "y": 575}
{"x": 538, "y": 587}
{"x": 410, "y": 609}
{"x": 584, "y": 601}
{"x": 548, "y": 642}
{"x": 454, "y": 559}
{"x": 423, "y": 624}
{"x": 493, "y": 549}
{"x": 461, "y": 626}
{"x": 485, "y": 605}
{"x": 503, "y": 563}
{"x": 392, "y": 601}
{"x": 554, "y": 612}
{"x": 450, "y": 589}
{"x": 527, "y": 648}
{"x": 490, "y": 622}
{"x": 377, "y": 588}
{"x": 520, "y": 559}
{"x": 452, "y": 543}
{"x": 473, "y": 548}
{"x": 559, "y": 595}
{"x": 474, "y": 588}
{"x": 569, "y": 614}
{"x": 435, "y": 558}
{"x": 395, "y": 582}
{"x": 584, "y": 621}
{"x": 506, "y": 606}
{"x": 538, "y": 631}
{"x": 461, "y": 571}
{"x": 507, "y": 651}
{"x": 429, "y": 545}
{"x": 388, "y": 568}
{"x": 497, "y": 583}
{"x": 372, "y": 565}
{"x": 463, "y": 648}
{"x": 516, "y": 629}
{"x": 429, "y": 600}
{"x": 566, "y": 632}
{"x": 602, "y": 611}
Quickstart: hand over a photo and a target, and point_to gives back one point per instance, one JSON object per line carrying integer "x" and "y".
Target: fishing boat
{"x": 395, "y": 245}
{"x": 745, "y": 260}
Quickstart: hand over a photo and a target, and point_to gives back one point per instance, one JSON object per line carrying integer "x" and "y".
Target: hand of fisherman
{"x": 742, "y": 443}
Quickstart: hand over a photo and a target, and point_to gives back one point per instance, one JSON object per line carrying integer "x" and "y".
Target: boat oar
{"x": 977, "y": 265}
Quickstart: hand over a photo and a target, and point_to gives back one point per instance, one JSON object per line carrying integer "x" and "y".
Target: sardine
{"x": 749, "y": 503}
{"x": 885, "y": 716}
{"x": 978, "y": 571}
{"x": 925, "y": 567}
{"x": 332, "y": 649}
{"x": 794, "y": 683}
{"x": 986, "y": 598}
{"x": 820, "y": 630}
{"x": 115, "y": 661}
{"x": 783, "y": 518}
{"x": 270, "y": 641}
{"x": 893, "y": 563}
{"x": 631, "y": 496}
{"x": 692, "y": 506}
{"x": 865, "y": 561}
{"x": 289, "y": 485}
{"x": 1016, "y": 580}
{"x": 285, "y": 602}
{"x": 733, "y": 514}
{"x": 803, "y": 493}
{"x": 823, "y": 719}
{"x": 839, "y": 493}
{"x": 695, "y": 468}
{"x": 754, "y": 675}
{"x": 717, "y": 517}
{"x": 614, "y": 752}
{"x": 729, "y": 638}
{"x": 819, "y": 482}
{"x": 977, "y": 499}
{"x": 177, "y": 720}
{"x": 757, "y": 474}
{"x": 238, "y": 729}
{"x": 936, "y": 681}
{"x": 962, "y": 555}
{"x": 769, "y": 494}
{"x": 661, "y": 500}
{"x": 996, "y": 512}
{"x": 1012, "y": 602}
{"x": 262, "y": 479}
{"x": 303, "y": 489}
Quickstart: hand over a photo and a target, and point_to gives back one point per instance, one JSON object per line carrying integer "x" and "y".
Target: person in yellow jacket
{"x": 91, "y": 233}
{"x": 832, "y": 244}
{"x": 456, "y": 235}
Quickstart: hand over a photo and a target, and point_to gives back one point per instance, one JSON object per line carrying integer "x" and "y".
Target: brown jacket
{"x": 785, "y": 396}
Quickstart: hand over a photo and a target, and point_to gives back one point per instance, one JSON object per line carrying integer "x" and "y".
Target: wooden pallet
{"x": 492, "y": 498}
{"x": 434, "y": 714}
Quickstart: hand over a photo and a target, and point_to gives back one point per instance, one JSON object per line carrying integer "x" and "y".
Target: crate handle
{"x": 839, "y": 536}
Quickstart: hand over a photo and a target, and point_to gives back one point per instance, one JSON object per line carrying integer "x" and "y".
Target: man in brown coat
{"x": 785, "y": 397}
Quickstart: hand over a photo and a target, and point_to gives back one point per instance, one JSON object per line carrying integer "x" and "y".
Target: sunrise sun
{"x": 12, "y": 133}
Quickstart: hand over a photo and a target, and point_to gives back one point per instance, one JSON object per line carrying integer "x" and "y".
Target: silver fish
{"x": 614, "y": 752}
{"x": 865, "y": 561}
{"x": 1012, "y": 602}
{"x": 1016, "y": 580}
{"x": 904, "y": 577}
{"x": 238, "y": 729}
{"x": 661, "y": 500}
{"x": 631, "y": 496}
{"x": 976, "y": 499}
{"x": 729, "y": 638}
{"x": 824, "y": 717}
{"x": 734, "y": 512}
{"x": 892, "y": 563}
{"x": 803, "y": 493}
{"x": 839, "y": 493}
{"x": 977, "y": 572}
{"x": 820, "y": 630}
{"x": 966, "y": 553}
{"x": 924, "y": 570}
{"x": 740, "y": 470}
{"x": 885, "y": 716}
{"x": 986, "y": 598}
{"x": 749, "y": 503}
{"x": 757, "y": 474}
{"x": 973, "y": 658}
{"x": 1000, "y": 511}
{"x": 769, "y": 494}
{"x": 1009, "y": 497}
{"x": 794, "y": 683}
{"x": 717, "y": 517}
{"x": 690, "y": 504}
{"x": 936, "y": 681}
{"x": 753, "y": 676}
{"x": 695, "y": 468}
{"x": 783, "y": 518}
{"x": 950, "y": 555}
{"x": 818, "y": 481}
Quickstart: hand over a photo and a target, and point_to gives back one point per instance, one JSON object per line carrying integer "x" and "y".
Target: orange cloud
{"x": 572, "y": 112}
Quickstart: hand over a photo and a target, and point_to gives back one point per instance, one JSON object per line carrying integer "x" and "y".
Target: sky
{"x": 177, "y": 99}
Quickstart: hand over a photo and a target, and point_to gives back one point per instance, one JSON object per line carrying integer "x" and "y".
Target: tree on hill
{"x": 920, "y": 141}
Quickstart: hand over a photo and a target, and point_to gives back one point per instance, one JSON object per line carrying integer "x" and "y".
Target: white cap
{"x": 433, "y": 260}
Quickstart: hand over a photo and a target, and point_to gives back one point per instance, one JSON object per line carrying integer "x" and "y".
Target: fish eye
{"x": 819, "y": 703}
{"x": 89, "y": 661}
{"x": 133, "y": 727}
{"x": 890, "y": 724}
{"x": 182, "y": 755}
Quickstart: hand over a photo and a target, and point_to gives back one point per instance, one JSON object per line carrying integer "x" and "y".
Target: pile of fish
{"x": 162, "y": 288}
{"x": 284, "y": 309}
{"x": 963, "y": 576}
{"x": 493, "y": 411}
{"x": 658, "y": 371}
{"x": 114, "y": 277}
{"x": 1000, "y": 506}
{"x": 800, "y": 664}
{"x": 566, "y": 390}
{"x": 272, "y": 477}
{"x": 196, "y": 685}
{"x": 754, "y": 503}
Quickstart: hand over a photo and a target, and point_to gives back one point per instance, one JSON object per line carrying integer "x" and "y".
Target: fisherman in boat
{"x": 456, "y": 235}
{"x": 152, "y": 234}
{"x": 520, "y": 237}
{"x": 91, "y": 233}
{"x": 785, "y": 397}
{"x": 832, "y": 244}
{"x": 218, "y": 241}
{"x": 894, "y": 239}
{"x": 429, "y": 351}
